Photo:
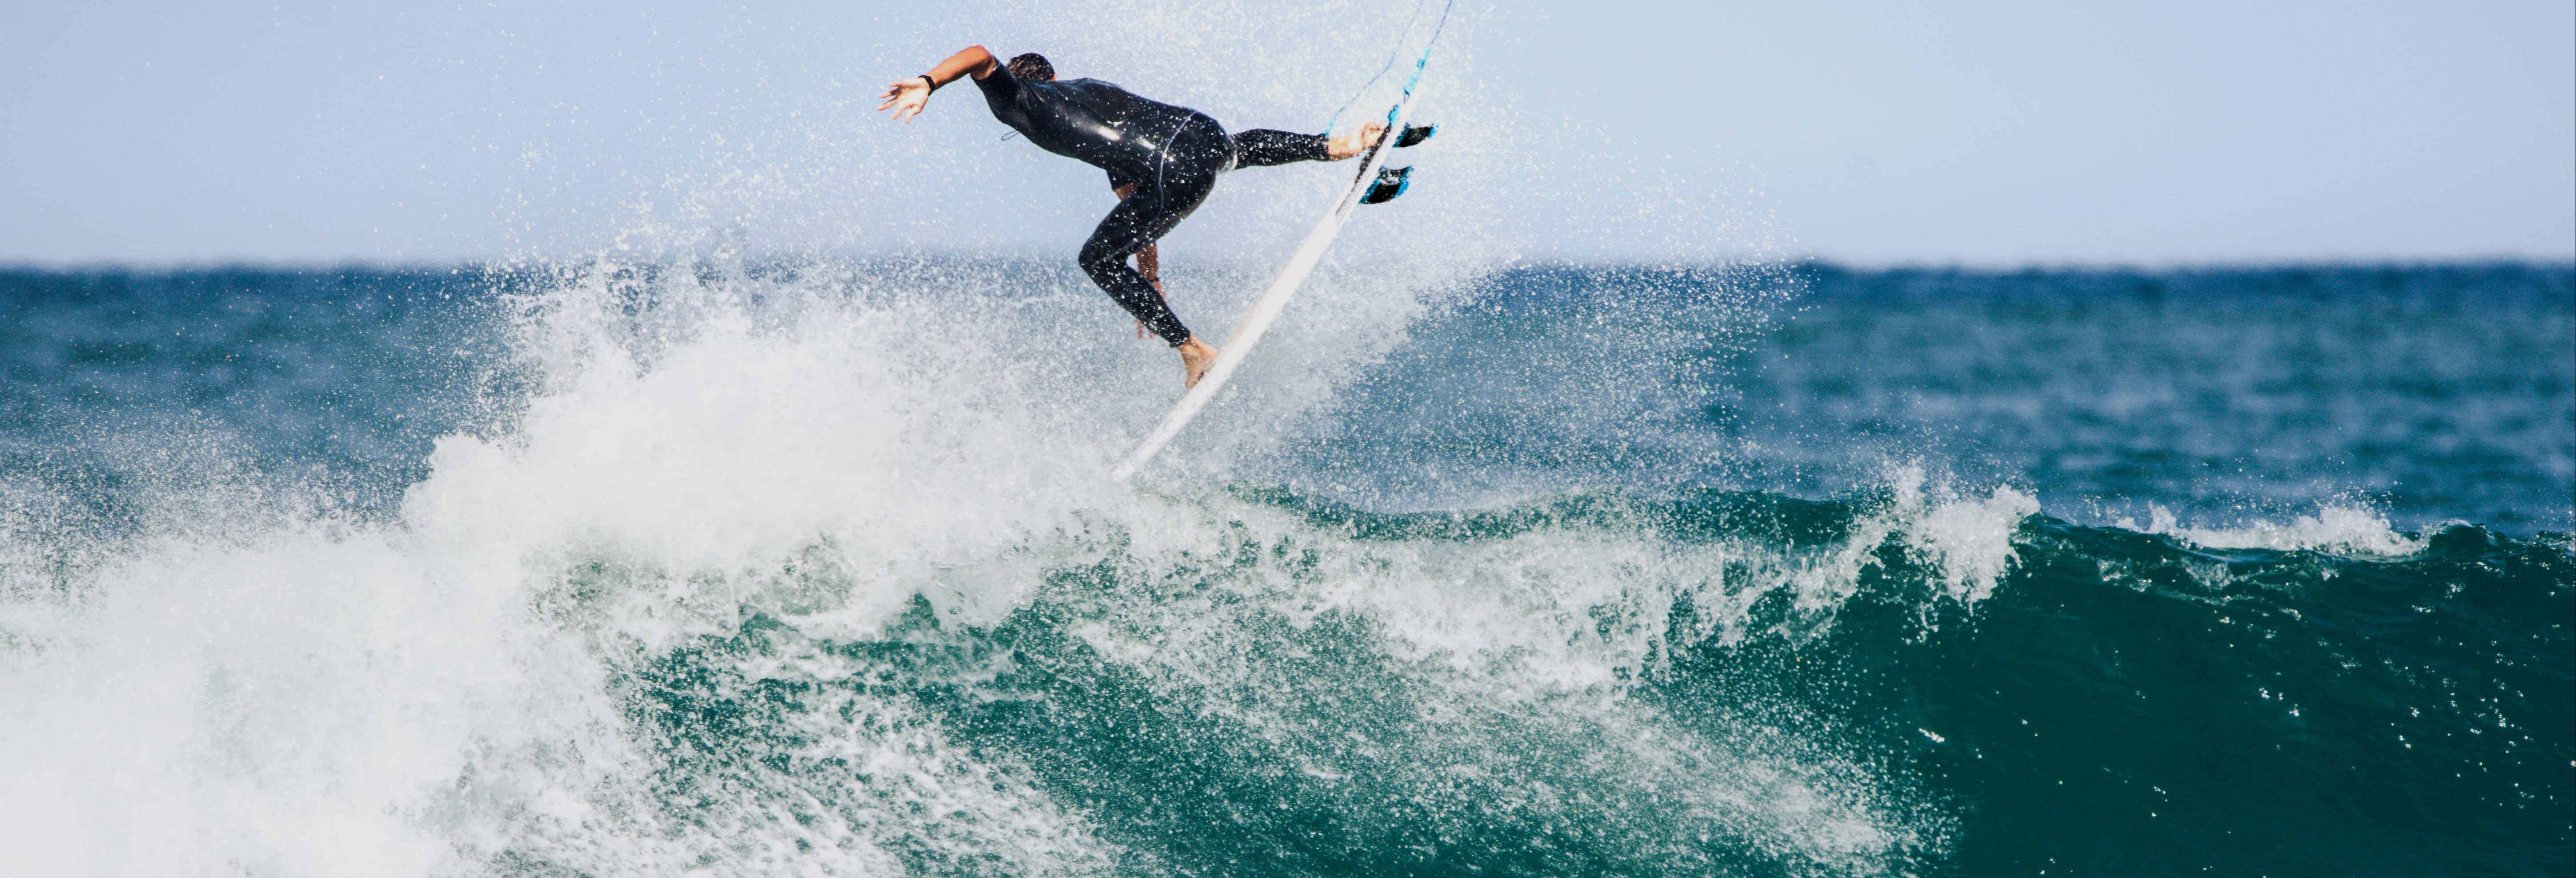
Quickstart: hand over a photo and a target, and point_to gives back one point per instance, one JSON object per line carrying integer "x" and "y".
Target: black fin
{"x": 1414, "y": 134}
{"x": 1390, "y": 183}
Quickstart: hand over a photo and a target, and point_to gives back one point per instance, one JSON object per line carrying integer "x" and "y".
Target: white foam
{"x": 1969, "y": 540}
{"x": 2334, "y": 527}
{"x": 1965, "y": 541}
{"x": 302, "y": 696}
{"x": 287, "y": 705}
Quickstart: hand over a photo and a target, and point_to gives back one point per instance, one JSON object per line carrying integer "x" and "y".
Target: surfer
{"x": 1162, "y": 162}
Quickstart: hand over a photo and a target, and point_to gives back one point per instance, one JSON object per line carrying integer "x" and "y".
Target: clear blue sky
{"x": 1983, "y": 132}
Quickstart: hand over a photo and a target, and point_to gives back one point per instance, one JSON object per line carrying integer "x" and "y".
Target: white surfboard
{"x": 1273, "y": 300}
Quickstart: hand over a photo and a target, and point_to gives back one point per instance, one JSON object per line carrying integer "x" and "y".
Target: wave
{"x": 768, "y": 573}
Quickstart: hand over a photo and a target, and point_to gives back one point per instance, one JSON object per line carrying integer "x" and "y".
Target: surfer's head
{"x": 1031, "y": 66}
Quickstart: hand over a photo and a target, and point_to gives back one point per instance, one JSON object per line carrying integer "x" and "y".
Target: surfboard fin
{"x": 1391, "y": 182}
{"x": 1414, "y": 134}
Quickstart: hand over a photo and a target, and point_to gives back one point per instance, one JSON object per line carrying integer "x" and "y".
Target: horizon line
{"x": 392, "y": 266}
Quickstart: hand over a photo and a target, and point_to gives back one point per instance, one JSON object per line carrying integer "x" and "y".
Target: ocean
{"x": 810, "y": 566}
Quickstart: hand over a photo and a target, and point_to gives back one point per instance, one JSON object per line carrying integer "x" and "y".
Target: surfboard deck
{"x": 1265, "y": 311}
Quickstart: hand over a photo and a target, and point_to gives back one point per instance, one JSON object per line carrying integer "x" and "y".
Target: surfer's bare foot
{"x": 1196, "y": 357}
{"x": 1350, "y": 143}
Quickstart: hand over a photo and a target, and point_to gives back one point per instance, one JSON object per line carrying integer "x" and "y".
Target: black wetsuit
{"x": 1171, "y": 154}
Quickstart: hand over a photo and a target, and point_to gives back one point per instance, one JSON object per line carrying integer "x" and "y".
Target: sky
{"x": 1984, "y": 133}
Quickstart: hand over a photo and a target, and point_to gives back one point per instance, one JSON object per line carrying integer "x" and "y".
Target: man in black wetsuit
{"x": 1162, "y": 162}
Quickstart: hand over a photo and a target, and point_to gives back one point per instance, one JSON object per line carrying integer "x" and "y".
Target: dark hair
{"x": 1031, "y": 66}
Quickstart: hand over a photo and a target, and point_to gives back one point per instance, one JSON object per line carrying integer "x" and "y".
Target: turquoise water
{"x": 809, "y": 568}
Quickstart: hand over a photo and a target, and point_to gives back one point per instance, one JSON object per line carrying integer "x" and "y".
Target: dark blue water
{"x": 2430, "y": 393}
{"x": 807, "y": 567}
{"x": 329, "y": 383}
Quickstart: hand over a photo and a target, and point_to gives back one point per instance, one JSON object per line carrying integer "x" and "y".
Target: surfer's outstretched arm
{"x": 907, "y": 97}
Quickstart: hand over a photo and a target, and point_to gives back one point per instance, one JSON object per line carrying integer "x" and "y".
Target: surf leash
{"x": 1397, "y": 52}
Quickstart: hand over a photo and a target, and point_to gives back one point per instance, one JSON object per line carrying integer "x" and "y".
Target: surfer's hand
{"x": 906, "y": 97}
{"x": 1352, "y": 143}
